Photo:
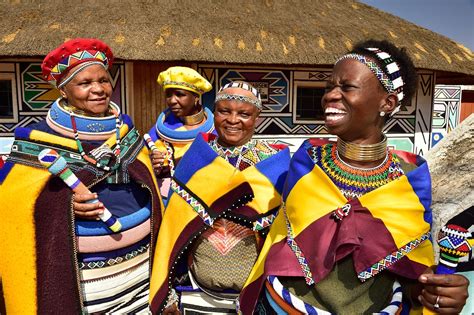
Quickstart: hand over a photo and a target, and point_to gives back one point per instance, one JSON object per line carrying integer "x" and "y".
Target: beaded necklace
{"x": 352, "y": 181}
{"x": 102, "y": 156}
{"x": 245, "y": 155}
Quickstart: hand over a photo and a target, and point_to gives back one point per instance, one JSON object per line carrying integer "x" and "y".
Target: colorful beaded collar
{"x": 88, "y": 128}
{"x": 167, "y": 123}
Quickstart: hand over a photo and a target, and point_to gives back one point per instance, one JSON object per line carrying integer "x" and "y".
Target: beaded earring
{"x": 382, "y": 114}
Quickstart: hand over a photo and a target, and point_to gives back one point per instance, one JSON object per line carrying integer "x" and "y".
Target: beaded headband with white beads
{"x": 390, "y": 79}
{"x": 79, "y": 69}
{"x": 242, "y": 85}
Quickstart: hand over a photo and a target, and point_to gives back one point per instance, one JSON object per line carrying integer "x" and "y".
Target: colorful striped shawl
{"x": 387, "y": 228}
{"x": 36, "y": 227}
{"x": 210, "y": 187}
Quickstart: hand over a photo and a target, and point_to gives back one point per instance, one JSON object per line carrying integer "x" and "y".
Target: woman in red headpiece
{"x": 56, "y": 255}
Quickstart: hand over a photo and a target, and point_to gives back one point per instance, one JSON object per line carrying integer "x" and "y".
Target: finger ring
{"x": 436, "y": 305}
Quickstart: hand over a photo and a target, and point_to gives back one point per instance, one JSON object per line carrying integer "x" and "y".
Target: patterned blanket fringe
{"x": 264, "y": 222}
{"x": 392, "y": 258}
{"x": 308, "y": 275}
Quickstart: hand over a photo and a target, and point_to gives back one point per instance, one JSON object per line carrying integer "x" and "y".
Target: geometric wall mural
{"x": 423, "y": 112}
{"x": 446, "y": 108}
{"x": 37, "y": 94}
{"x": 33, "y": 96}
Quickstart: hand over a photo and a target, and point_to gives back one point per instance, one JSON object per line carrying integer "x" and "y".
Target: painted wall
{"x": 415, "y": 128}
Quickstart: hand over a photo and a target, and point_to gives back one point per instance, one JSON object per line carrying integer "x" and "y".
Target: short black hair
{"x": 407, "y": 69}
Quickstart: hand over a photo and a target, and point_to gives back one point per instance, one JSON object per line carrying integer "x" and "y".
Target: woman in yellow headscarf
{"x": 181, "y": 122}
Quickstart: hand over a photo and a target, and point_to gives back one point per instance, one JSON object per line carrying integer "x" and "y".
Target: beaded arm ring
{"x": 453, "y": 241}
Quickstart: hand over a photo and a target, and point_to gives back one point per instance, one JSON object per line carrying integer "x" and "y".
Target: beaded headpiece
{"x": 242, "y": 85}
{"x": 390, "y": 77}
{"x": 183, "y": 78}
{"x": 85, "y": 51}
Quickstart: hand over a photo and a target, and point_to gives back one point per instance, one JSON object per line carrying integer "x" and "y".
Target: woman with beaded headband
{"x": 180, "y": 123}
{"x": 68, "y": 261}
{"x": 224, "y": 194}
{"x": 353, "y": 233}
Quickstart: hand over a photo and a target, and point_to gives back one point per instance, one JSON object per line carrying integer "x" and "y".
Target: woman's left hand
{"x": 157, "y": 160}
{"x": 442, "y": 293}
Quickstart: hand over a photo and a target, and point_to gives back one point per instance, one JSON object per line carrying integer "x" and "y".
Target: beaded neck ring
{"x": 64, "y": 105}
{"x": 245, "y": 155}
{"x": 103, "y": 151}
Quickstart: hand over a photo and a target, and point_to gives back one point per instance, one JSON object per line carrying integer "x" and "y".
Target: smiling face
{"x": 353, "y": 101}
{"x": 235, "y": 120}
{"x": 89, "y": 90}
{"x": 182, "y": 102}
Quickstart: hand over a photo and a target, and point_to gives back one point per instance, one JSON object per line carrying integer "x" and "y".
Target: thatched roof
{"x": 299, "y": 32}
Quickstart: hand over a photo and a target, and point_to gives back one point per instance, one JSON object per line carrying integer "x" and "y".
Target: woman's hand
{"x": 85, "y": 210}
{"x": 157, "y": 161}
{"x": 172, "y": 310}
{"x": 443, "y": 294}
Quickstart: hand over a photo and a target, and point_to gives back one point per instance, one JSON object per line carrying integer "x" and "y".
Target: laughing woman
{"x": 353, "y": 234}
{"x": 225, "y": 193}
{"x": 181, "y": 122}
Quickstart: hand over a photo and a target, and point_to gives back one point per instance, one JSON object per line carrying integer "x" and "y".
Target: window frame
{"x": 306, "y": 84}
{"x": 7, "y": 76}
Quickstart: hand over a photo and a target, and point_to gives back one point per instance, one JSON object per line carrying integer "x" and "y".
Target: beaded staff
{"x": 57, "y": 165}
{"x": 453, "y": 241}
{"x": 151, "y": 145}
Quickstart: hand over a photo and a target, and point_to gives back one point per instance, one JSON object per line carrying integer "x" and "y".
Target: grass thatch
{"x": 299, "y": 32}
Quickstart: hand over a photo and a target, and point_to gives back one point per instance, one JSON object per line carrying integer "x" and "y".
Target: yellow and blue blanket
{"x": 387, "y": 228}
{"x": 206, "y": 187}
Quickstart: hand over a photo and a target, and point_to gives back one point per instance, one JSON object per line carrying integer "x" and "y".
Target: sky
{"x": 451, "y": 18}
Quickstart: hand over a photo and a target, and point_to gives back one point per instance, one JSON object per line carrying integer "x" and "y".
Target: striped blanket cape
{"x": 387, "y": 228}
{"x": 38, "y": 263}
